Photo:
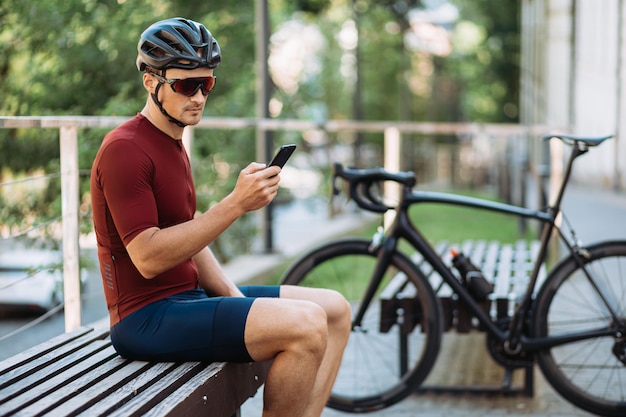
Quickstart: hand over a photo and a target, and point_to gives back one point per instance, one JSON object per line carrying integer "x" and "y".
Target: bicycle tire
{"x": 370, "y": 377}
{"x": 586, "y": 373}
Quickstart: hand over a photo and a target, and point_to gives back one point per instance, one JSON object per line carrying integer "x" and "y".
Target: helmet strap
{"x": 155, "y": 98}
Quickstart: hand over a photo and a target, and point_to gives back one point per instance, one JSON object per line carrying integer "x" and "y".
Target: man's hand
{"x": 257, "y": 186}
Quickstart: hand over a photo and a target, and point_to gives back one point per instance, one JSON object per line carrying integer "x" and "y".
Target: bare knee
{"x": 339, "y": 312}
{"x": 294, "y": 326}
{"x": 337, "y": 308}
{"x": 313, "y": 330}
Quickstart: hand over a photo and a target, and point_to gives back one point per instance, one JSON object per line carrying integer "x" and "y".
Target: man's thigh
{"x": 274, "y": 323}
{"x": 331, "y": 301}
{"x": 189, "y": 326}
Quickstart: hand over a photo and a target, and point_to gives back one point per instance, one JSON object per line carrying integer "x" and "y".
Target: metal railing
{"x": 69, "y": 126}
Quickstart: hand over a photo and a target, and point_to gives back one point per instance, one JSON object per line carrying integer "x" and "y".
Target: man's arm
{"x": 212, "y": 277}
{"x": 155, "y": 250}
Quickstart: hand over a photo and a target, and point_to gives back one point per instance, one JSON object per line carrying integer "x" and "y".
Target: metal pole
{"x": 263, "y": 136}
{"x": 357, "y": 106}
{"x": 69, "y": 204}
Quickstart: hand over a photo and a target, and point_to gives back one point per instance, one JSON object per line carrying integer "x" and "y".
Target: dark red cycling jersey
{"x": 141, "y": 178}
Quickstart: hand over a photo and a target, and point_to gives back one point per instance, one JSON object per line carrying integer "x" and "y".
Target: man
{"x": 167, "y": 296}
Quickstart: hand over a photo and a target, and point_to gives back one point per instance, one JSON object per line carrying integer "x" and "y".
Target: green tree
{"x": 64, "y": 57}
{"x": 488, "y": 71}
{"x": 78, "y": 57}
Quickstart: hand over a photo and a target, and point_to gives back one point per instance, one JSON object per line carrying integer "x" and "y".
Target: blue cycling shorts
{"x": 190, "y": 326}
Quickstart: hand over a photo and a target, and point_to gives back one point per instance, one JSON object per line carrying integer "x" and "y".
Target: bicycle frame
{"x": 513, "y": 340}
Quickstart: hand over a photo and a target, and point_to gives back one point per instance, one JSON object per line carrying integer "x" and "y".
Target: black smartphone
{"x": 283, "y": 154}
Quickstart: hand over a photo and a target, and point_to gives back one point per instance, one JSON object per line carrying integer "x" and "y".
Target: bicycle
{"x": 573, "y": 325}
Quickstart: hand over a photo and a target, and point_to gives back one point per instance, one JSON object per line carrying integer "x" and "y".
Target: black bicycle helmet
{"x": 177, "y": 43}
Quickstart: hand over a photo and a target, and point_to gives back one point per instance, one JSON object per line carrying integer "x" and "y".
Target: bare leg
{"x": 307, "y": 344}
{"x": 339, "y": 323}
{"x": 294, "y": 334}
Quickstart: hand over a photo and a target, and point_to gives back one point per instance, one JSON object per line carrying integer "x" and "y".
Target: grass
{"x": 444, "y": 222}
{"x": 454, "y": 224}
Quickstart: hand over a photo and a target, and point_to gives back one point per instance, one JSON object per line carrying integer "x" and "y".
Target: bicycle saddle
{"x": 589, "y": 141}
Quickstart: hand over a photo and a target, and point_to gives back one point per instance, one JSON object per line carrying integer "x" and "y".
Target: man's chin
{"x": 193, "y": 118}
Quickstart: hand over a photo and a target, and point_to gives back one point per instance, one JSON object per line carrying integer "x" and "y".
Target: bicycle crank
{"x": 499, "y": 354}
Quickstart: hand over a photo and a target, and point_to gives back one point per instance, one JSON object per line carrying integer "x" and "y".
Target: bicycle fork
{"x": 385, "y": 248}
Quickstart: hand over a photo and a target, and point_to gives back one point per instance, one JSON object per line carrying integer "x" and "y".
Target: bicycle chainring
{"x": 497, "y": 352}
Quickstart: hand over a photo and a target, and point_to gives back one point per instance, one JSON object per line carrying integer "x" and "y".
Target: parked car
{"x": 31, "y": 280}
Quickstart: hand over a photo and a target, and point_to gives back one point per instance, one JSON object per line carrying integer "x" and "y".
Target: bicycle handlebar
{"x": 360, "y": 182}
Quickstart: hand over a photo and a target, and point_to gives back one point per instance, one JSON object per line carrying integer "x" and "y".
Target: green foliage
{"x": 64, "y": 57}
{"x": 488, "y": 72}
{"x": 382, "y": 61}
{"x": 23, "y": 150}
{"x": 312, "y": 6}
{"x": 456, "y": 224}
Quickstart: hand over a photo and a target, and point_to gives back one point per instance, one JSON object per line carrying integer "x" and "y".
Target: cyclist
{"x": 167, "y": 296}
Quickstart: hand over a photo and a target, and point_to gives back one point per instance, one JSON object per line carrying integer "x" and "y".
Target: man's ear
{"x": 149, "y": 82}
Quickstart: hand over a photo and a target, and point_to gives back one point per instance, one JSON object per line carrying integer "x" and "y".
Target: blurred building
{"x": 574, "y": 78}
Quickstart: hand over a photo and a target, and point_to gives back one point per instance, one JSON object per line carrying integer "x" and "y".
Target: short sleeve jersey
{"x": 141, "y": 178}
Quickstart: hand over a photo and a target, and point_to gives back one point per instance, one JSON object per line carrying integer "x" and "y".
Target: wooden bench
{"x": 506, "y": 266}
{"x": 79, "y": 373}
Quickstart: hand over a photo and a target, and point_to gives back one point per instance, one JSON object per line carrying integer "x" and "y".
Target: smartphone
{"x": 283, "y": 154}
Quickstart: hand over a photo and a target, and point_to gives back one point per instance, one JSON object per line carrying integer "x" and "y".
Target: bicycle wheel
{"x": 375, "y": 372}
{"x": 588, "y": 373}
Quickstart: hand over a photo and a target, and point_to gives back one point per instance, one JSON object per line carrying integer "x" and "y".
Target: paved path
{"x": 596, "y": 214}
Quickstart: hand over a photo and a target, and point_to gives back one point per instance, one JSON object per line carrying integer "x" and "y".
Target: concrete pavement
{"x": 596, "y": 214}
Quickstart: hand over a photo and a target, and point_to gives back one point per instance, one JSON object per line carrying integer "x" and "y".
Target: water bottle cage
{"x": 478, "y": 286}
{"x": 473, "y": 274}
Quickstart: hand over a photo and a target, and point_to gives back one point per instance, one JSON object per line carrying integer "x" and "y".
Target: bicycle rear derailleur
{"x": 619, "y": 349}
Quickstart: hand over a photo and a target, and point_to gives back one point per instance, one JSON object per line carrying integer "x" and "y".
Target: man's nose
{"x": 198, "y": 96}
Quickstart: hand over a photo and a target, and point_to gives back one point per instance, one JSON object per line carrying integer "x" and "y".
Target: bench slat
{"x": 186, "y": 391}
{"x": 146, "y": 390}
{"x": 49, "y": 369}
{"x": 42, "y": 349}
{"x": 534, "y": 250}
{"x": 79, "y": 373}
{"x": 503, "y": 273}
{"x": 491, "y": 261}
{"x": 21, "y": 365}
{"x": 443, "y": 289}
{"x": 91, "y": 386}
{"x": 45, "y": 382}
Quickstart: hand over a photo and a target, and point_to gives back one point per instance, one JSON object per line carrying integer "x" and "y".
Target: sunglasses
{"x": 189, "y": 86}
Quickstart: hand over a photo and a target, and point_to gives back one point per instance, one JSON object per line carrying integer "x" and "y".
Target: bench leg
{"x": 529, "y": 381}
{"x": 404, "y": 353}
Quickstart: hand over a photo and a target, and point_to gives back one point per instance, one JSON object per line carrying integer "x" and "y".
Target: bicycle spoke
{"x": 370, "y": 375}
{"x": 588, "y": 372}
